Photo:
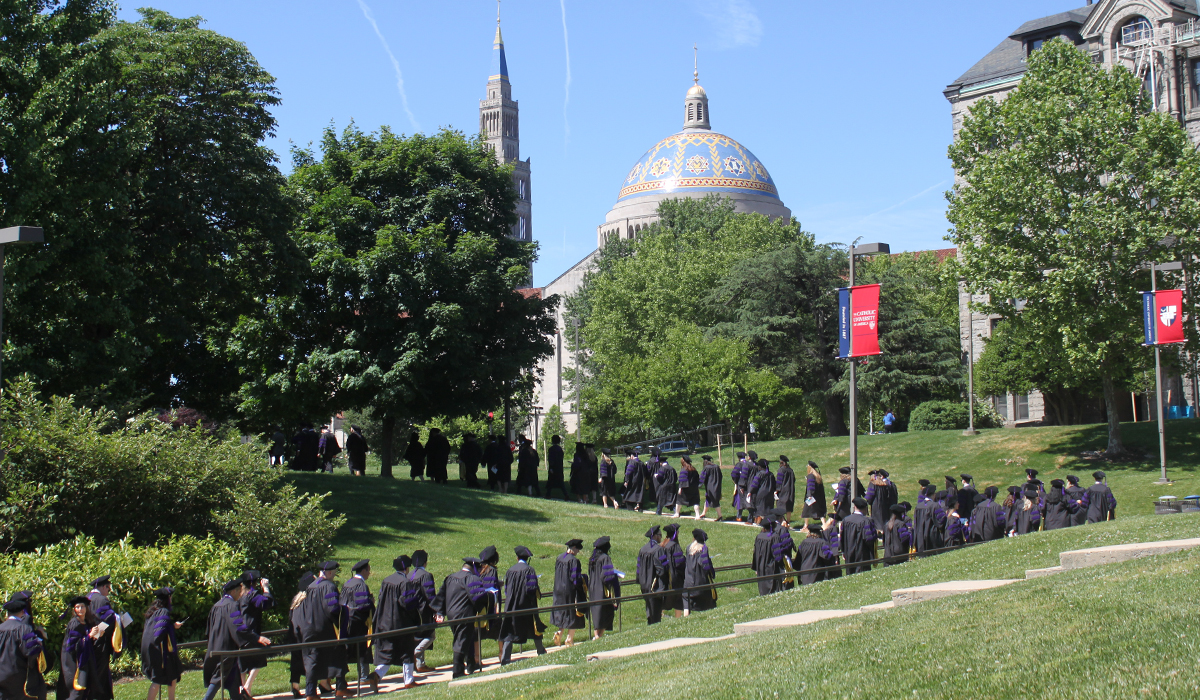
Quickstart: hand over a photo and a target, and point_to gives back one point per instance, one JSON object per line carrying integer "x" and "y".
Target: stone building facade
{"x": 1157, "y": 39}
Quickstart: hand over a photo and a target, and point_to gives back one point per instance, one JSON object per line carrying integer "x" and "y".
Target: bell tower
{"x": 499, "y": 123}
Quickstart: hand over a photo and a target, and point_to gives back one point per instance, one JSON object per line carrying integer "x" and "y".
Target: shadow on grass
{"x": 384, "y": 511}
{"x": 1183, "y": 446}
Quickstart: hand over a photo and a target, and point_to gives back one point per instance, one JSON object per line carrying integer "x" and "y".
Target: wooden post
{"x": 745, "y": 444}
{"x": 1133, "y": 400}
{"x": 719, "y": 463}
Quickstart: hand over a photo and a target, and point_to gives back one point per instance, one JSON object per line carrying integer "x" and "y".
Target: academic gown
{"x": 504, "y": 462}
{"x": 415, "y": 454}
{"x": 462, "y": 596}
{"x": 739, "y": 476}
{"x": 522, "y": 593}
{"x": 833, "y": 537}
{"x": 785, "y": 487}
{"x": 1101, "y": 505}
{"x": 489, "y": 577}
{"x": 881, "y": 497}
{"x": 929, "y": 526}
{"x": 896, "y": 539}
{"x": 607, "y": 477}
{"x": 987, "y": 521}
{"x": 783, "y": 548}
{"x": 762, "y": 492}
{"x": 323, "y": 617}
{"x": 1028, "y": 518}
{"x": 635, "y": 483}
{"x": 428, "y": 584}
{"x": 814, "y": 553}
{"x": 603, "y": 584}
{"x": 437, "y": 456}
{"x": 816, "y": 491}
{"x": 110, "y": 644}
{"x": 666, "y": 481}
{"x": 649, "y": 570}
{"x": 359, "y": 603}
{"x": 858, "y": 541}
{"x": 226, "y": 632}
{"x": 966, "y": 501}
{"x": 699, "y": 571}
{"x": 527, "y": 467}
{"x": 674, "y": 564}
{"x": 1075, "y": 494}
{"x": 356, "y": 452}
{"x": 471, "y": 454}
{"x": 251, "y": 607}
{"x": 844, "y": 498}
{"x": 712, "y": 477}
{"x": 689, "y": 487}
{"x": 570, "y": 586}
{"x": 581, "y": 484}
{"x": 307, "y": 444}
{"x": 764, "y": 562}
{"x": 84, "y": 675}
{"x": 1059, "y": 512}
{"x": 22, "y": 661}
{"x": 554, "y": 468}
{"x": 398, "y": 606}
{"x": 160, "y": 649}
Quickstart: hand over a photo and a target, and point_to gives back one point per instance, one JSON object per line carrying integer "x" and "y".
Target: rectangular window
{"x": 1194, "y": 75}
{"x": 1036, "y": 44}
{"x": 1000, "y": 403}
{"x": 1022, "y": 406}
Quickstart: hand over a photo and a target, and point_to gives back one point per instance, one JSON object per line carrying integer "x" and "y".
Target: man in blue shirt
{"x": 889, "y": 421}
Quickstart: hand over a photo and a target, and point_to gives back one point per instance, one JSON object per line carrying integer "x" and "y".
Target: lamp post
{"x": 1162, "y": 436}
{"x": 13, "y": 234}
{"x": 855, "y": 251}
{"x": 970, "y": 371}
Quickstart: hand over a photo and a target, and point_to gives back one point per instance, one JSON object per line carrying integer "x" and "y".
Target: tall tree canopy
{"x": 408, "y": 305}
{"x": 138, "y": 147}
{"x": 1065, "y": 189}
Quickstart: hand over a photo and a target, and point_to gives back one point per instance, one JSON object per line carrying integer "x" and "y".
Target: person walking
{"x": 399, "y": 607}
{"x": 688, "y": 492}
{"x": 278, "y": 447}
{"x": 713, "y": 478}
{"x": 504, "y": 462}
{"x": 606, "y": 478}
{"x": 491, "y": 463}
{"x": 425, "y": 580}
{"x": 82, "y": 674}
{"x": 1074, "y": 493}
{"x": 570, "y": 587}
{"x": 889, "y": 422}
{"x": 356, "y": 451}
{"x": 881, "y": 495}
{"x": 581, "y": 484}
{"x": 649, "y": 570}
{"x": 462, "y": 596}
{"x": 814, "y": 494}
{"x": 699, "y": 571}
{"x": 527, "y": 468}
{"x": 666, "y": 482}
{"x": 252, "y": 604}
{"x": 295, "y": 636}
{"x": 785, "y": 488}
{"x": 1099, "y": 501}
{"x": 634, "y": 485}
{"x": 555, "y": 471}
{"x": 437, "y": 456}
{"x": 329, "y": 448}
{"x": 764, "y": 563}
{"x": 1059, "y": 510}
{"x": 111, "y": 642}
{"x": 359, "y": 604}
{"x": 160, "y": 647}
{"x": 415, "y": 454}
{"x": 322, "y": 617}
{"x": 858, "y": 538}
{"x": 524, "y": 592}
{"x": 604, "y": 583}
{"x": 226, "y": 632}
{"x": 762, "y": 490}
{"x": 897, "y": 538}
{"x": 740, "y": 475}
{"x": 308, "y": 453}
{"x": 987, "y": 517}
{"x": 470, "y": 455}
{"x": 814, "y": 553}
{"x": 674, "y": 563}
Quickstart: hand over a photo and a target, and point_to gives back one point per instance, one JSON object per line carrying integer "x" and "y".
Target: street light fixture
{"x": 867, "y": 249}
{"x": 13, "y": 234}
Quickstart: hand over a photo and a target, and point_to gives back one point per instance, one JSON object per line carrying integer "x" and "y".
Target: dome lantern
{"x": 695, "y": 114}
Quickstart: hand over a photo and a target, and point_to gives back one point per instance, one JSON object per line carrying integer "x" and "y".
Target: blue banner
{"x": 1148, "y": 324}
{"x": 843, "y": 323}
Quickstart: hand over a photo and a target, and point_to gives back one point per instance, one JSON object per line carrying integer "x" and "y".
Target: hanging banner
{"x": 858, "y": 321}
{"x": 1162, "y": 316}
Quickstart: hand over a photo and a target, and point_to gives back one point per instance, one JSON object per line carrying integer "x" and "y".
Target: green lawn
{"x": 390, "y": 517}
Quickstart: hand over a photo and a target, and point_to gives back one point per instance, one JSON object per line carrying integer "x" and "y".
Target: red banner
{"x": 864, "y": 320}
{"x": 1168, "y": 317}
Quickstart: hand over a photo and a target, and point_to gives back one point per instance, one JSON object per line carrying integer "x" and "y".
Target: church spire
{"x": 695, "y": 104}
{"x": 499, "y": 63}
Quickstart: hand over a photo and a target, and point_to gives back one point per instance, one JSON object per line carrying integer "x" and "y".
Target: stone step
{"x": 792, "y": 620}
{"x": 1096, "y": 556}
{"x": 653, "y": 647}
{"x": 1038, "y": 573}
{"x": 906, "y": 596}
{"x": 879, "y": 606}
{"x": 485, "y": 677}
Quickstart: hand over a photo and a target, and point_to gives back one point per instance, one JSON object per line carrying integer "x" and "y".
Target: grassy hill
{"x": 390, "y": 517}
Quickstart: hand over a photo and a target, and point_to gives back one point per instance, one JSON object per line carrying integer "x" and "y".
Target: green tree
{"x": 408, "y": 306}
{"x": 641, "y": 288}
{"x": 1065, "y": 189}
{"x": 138, "y": 146}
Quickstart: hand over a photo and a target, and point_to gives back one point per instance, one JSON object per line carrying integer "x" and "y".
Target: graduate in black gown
{"x": 527, "y": 468}
{"x": 842, "y": 496}
{"x": 783, "y": 548}
{"x": 257, "y": 599}
{"x": 437, "y": 456}
{"x": 814, "y": 552}
{"x": 673, "y": 563}
{"x": 83, "y": 675}
{"x": 1028, "y": 512}
{"x": 296, "y": 664}
{"x": 522, "y": 593}
{"x": 359, "y": 604}
{"x": 858, "y": 538}
{"x": 764, "y": 563}
{"x": 1099, "y": 501}
{"x": 712, "y": 477}
{"x": 699, "y": 571}
{"x": 814, "y": 493}
{"x": 966, "y": 496}
{"x": 987, "y": 518}
{"x": 160, "y": 648}
{"x": 666, "y": 485}
{"x": 606, "y": 478}
{"x": 462, "y": 596}
{"x": 649, "y": 570}
{"x": 688, "y": 491}
{"x": 634, "y": 483}
{"x": 929, "y": 520}
{"x": 322, "y": 618}
{"x": 307, "y": 443}
{"x": 1059, "y": 511}
{"x": 740, "y": 476}
{"x": 570, "y": 586}
{"x": 356, "y": 451}
{"x": 415, "y": 455}
{"x": 489, "y": 576}
{"x": 398, "y": 606}
{"x": 897, "y": 537}
{"x": 785, "y": 487}
{"x": 1074, "y": 493}
{"x": 424, "y": 579}
{"x": 762, "y": 490}
{"x": 881, "y": 495}
{"x": 604, "y": 583}
{"x": 581, "y": 485}
{"x": 22, "y": 650}
{"x": 555, "y": 468}
{"x": 227, "y": 633}
{"x": 111, "y": 643}
{"x": 470, "y": 454}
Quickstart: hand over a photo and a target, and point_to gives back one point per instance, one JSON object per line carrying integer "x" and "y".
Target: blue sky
{"x": 844, "y": 109}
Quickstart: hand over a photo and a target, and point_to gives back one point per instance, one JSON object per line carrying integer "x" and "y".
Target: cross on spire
{"x": 695, "y": 63}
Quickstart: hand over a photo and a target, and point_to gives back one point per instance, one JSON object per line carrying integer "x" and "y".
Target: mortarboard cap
{"x": 601, "y": 542}
{"x": 815, "y": 528}
{"x": 1098, "y": 475}
{"x": 522, "y": 552}
{"x": 420, "y": 558}
{"x": 752, "y": 455}
{"x": 843, "y": 470}
{"x": 330, "y": 566}
{"x": 1031, "y": 472}
{"x": 653, "y": 533}
{"x": 232, "y": 585}
{"x": 306, "y": 580}
{"x": 923, "y": 482}
{"x": 1072, "y": 478}
{"x": 164, "y": 592}
{"x": 360, "y": 565}
{"x": 966, "y": 477}
{"x": 897, "y": 509}
{"x": 575, "y": 544}
{"x": 860, "y": 503}
{"x": 784, "y": 459}
{"x": 402, "y": 562}
{"x": 105, "y": 579}
{"x": 251, "y": 575}
{"x": 700, "y": 535}
{"x": 77, "y": 600}
{"x": 489, "y": 552}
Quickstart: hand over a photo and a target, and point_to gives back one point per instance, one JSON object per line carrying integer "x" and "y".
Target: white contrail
{"x": 395, "y": 64}
{"x": 922, "y": 193}
{"x": 567, "y": 96}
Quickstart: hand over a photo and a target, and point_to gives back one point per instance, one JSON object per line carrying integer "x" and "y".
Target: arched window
{"x": 700, "y": 112}
{"x": 690, "y": 112}
{"x": 1137, "y": 30}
